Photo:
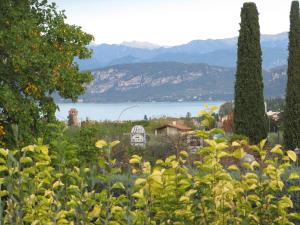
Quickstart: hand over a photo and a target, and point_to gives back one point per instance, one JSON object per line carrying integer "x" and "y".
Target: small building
{"x": 72, "y": 118}
{"x": 226, "y": 122}
{"x": 172, "y": 129}
{"x": 274, "y": 115}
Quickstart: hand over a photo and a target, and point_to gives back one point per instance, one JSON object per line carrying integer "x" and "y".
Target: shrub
{"x": 171, "y": 191}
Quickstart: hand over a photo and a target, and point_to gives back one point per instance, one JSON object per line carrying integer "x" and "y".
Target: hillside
{"x": 172, "y": 81}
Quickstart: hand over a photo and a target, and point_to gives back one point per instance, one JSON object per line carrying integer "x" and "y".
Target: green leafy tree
{"x": 226, "y": 109}
{"x": 249, "y": 110}
{"x": 37, "y": 50}
{"x": 292, "y": 106}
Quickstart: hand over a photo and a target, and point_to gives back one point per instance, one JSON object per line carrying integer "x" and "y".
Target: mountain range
{"x": 173, "y": 81}
{"x": 198, "y": 70}
{"x": 218, "y": 52}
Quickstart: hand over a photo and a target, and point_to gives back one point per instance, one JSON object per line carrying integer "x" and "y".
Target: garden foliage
{"x": 37, "y": 52}
{"x": 175, "y": 190}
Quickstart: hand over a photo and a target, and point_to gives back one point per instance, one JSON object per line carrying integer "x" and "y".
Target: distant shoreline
{"x": 136, "y": 111}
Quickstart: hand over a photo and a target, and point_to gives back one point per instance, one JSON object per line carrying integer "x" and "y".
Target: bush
{"x": 171, "y": 191}
{"x": 238, "y": 137}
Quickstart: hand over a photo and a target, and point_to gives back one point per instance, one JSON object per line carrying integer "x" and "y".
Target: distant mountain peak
{"x": 221, "y": 52}
{"x": 274, "y": 37}
{"x": 140, "y": 44}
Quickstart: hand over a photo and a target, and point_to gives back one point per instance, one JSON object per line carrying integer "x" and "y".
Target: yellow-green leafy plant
{"x": 211, "y": 192}
{"x": 111, "y": 203}
{"x": 210, "y": 189}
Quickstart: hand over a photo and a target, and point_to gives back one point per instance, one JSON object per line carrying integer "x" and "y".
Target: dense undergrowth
{"x": 39, "y": 187}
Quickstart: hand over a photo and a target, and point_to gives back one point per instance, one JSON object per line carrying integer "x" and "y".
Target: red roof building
{"x": 172, "y": 129}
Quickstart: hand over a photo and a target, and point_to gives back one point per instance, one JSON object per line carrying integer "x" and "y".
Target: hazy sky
{"x": 169, "y": 22}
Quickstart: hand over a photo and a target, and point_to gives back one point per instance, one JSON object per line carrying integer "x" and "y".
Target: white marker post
{"x": 138, "y": 136}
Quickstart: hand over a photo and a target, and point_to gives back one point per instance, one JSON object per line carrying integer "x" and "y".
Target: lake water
{"x": 132, "y": 111}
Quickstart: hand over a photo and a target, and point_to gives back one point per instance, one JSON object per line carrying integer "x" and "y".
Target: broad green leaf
{"x": 25, "y": 160}
{"x": 36, "y": 222}
{"x": 184, "y": 199}
{"x": 135, "y": 159}
{"x": 221, "y": 146}
{"x": 115, "y": 209}
{"x": 251, "y": 176}
{"x": 210, "y": 142}
{"x": 101, "y": 163}
{"x": 48, "y": 193}
{"x": 233, "y": 168}
{"x": 277, "y": 150}
{"x": 247, "y": 166}
{"x": 280, "y": 185}
{"x": 222, "y": 154}
{"x": 3, "y": 168}
{"x": 44, "y": 149}
{"x": 29, "y": 148}
{"x": 139, "y": 181}
{"x": 293, "y": 176}
{"x": 114, "y": 143}
{"x": 63, "y": 221}
{"x": 2, "y": 161}
{"x": 73, "y": 188}
{"x": 255, "y": 148}
{"x": 293, "y": 188}
{"x": 216, "y": 131}
{"x": 190, "y": 192}
{"x": 159, "y": 162}
{"x": 285, "y": 202}
{"x": 42, "y": 164}
{"x": 139, "y": 194}
{"x": 57, "y": 184}
{"x": 184, "y": 154}
{"x": 101, "y": 144}
{"x": 255, "y": 164}
{"x": 239, "y": 153}
{"x": 294, "y": 215}
{"x": 95, "y": 212}
{"x": 202, "y": 134}
{"x": 3, "y": 193}
{"x": 262, "y": 143}
{"x": 292, "y": 155}
{"x": 235, "y": 144}
{"x": 253, "y": 198}
{"x": 118, "y": 185}
{"x": 4, "y": 152}
{"x": 205, "y": 123}
{"x": 113, "y": 222}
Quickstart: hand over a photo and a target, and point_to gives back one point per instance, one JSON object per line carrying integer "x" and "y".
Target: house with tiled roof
{"x": 173, "y": 128}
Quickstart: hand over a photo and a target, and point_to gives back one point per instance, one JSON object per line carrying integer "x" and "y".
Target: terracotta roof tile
{"x": 178, "y": 126}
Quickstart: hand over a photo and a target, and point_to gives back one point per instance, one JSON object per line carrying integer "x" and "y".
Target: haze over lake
{"x": 132, "y": 111}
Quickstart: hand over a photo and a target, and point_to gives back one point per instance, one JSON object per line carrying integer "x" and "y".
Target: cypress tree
{"x": 249, "y": 110}
{"x": 292, "y": 102}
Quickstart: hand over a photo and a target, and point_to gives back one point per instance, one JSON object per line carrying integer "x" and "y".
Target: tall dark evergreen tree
{"x": 249, "y": 111}
{"x": 292, "y": 105}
